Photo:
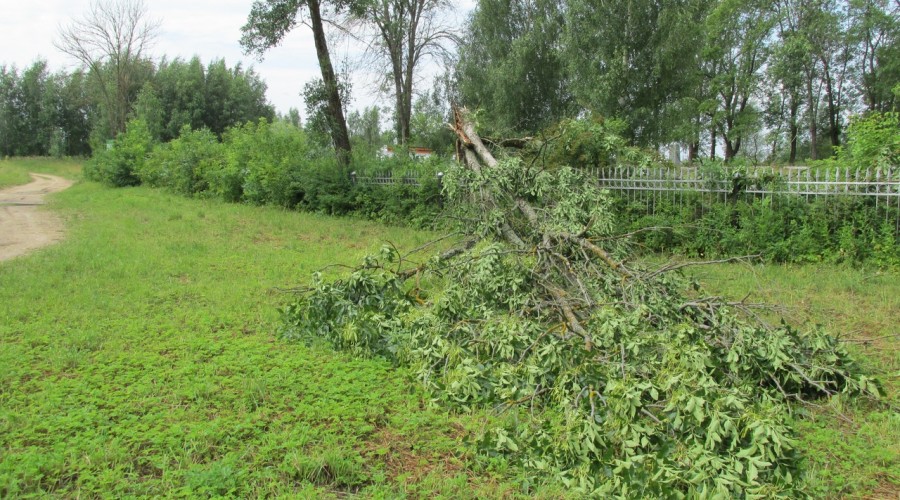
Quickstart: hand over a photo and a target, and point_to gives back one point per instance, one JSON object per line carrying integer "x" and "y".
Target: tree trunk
{"x": 413, "y": 45}
{"x": 339, "y": 134}
{"x": 712, "y": 141}
{"x": 793, "y": 131}
{"x": 811, "y": 111}
{"x": 834, "y": 127}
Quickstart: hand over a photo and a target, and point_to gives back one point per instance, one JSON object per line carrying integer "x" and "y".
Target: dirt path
{"x": 24, "y": 225}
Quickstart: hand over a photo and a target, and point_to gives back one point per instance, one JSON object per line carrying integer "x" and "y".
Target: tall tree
{"x": 268, "y": 23}
{"x": 10, "y": 110}
{"x": 233, "y": 96}
{"x": 875, "y": 32}
{"x": 317, "y": 97}
{"x": 633, "y": 59}
{"x": 511, "y": 64}
{"x": 181, "y": 87}
{"x": 111, "y": 40}
{"x": 406, "y": 34}
{"x": 37, "y": 120}
{"x": 150, "y": 109}
{"x": 365, "y": 127}
{"x": 735, "y": 51}
{"x": 816, "y": 27}
{"x": 786, "y": 92}
{"x": 428, "y": 124}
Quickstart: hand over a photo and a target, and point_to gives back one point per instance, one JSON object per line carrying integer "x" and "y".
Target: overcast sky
{"x": 207, "y": 28}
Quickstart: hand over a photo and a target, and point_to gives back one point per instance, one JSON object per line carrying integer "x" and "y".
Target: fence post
{"x": 440, "y": 181}
{"x": 353, "y": 177}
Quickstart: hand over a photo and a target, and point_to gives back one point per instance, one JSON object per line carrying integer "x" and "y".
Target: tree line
{"x": 776, "y": 80}
{"x": 773, "y": 80}
{"x": 64, "y": 113}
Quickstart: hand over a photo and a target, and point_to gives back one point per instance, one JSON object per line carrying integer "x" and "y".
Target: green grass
{"x": 15, "y": 171}
{"x": 852, "y": 447}
{"x": 139, "y": 357}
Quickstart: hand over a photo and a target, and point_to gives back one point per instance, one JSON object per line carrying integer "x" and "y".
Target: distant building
{"x": 414, "y": 152}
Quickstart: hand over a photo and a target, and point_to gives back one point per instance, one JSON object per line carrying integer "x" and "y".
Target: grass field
{"x": 139, "y": 357}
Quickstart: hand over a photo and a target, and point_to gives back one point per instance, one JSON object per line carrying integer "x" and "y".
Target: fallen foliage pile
{"x": 627, "y": 381}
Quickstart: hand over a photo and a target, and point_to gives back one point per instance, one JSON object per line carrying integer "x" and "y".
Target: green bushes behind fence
{"x": 779, "y": 228}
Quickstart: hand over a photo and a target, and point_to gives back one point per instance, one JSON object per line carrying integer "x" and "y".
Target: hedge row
{"x": 277, "y": 164}
{"x": 265, "y": 164}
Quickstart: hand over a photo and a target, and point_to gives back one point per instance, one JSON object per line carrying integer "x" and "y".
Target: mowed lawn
{"x": 140, "y": 357}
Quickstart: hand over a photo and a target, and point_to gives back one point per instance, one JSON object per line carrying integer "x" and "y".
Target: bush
{"x": 400, "y": 203}
{"x": 873, "y": 140}
{"x": 270, "y": 164}
{"x": 117, "y": 166}
{"x": 269, "y": 158}
{"x": 182, "y": 164}
{"x": 779, "y": 228}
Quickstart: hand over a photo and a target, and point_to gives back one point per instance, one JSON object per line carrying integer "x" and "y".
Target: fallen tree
{"x": 618, "y": 380}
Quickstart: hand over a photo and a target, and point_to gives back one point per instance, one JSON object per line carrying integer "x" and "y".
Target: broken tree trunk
{"x": 565, "y": 286}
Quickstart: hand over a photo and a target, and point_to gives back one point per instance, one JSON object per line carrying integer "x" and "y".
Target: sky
{"x": 206, "y": 28}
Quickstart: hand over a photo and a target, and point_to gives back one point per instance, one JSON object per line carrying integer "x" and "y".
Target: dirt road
{"x": 24, "y": 225}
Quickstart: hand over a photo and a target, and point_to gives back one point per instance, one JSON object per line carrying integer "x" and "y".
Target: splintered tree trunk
{"x": 339, "y": 134}
{"x": 532, "y": 235}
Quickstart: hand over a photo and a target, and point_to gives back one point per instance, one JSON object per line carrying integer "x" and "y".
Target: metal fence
{"x": 410, "y": 177}
{"x": 878, "y": 183}
{"x": 676, "y": 185}
{"x": 654, "y": 185}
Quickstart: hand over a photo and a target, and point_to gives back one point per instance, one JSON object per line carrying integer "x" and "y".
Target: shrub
{"x": 269, "y": 158}
{"x": 873, "y": 140}
{"x": 181, "y": 164}
{"x": 779, "y": 228}
{"x": 400, "y": 203}
{"x": 117, "y": 165}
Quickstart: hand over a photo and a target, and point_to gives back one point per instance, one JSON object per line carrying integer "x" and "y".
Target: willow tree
{"x": 511, "y": 64}
{"x": 267, "y": 25}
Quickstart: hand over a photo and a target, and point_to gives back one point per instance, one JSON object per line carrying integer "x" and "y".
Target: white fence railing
{"x": 881, "y": 185}
{"x": 872, "y": 182}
